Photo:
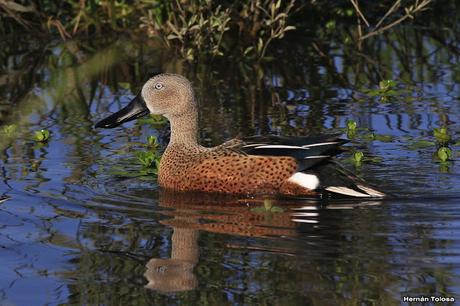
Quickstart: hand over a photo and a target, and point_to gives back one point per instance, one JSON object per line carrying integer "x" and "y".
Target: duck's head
{"x": 170, "y": 95}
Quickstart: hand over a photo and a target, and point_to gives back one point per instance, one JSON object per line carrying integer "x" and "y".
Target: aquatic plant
{"x": 9, "y": 130}
{"x": 442, "y": 136}
{"x": 444, "y": 154}
{"x": 351, "y": 128}
{"x": 42, "y": 135}
{"x": 147, "y": 158}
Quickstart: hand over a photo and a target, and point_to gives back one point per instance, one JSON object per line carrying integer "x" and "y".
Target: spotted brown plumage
{"x": 276, "y": 165}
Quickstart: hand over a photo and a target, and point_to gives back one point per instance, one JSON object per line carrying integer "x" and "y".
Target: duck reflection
{"x": 191, "y": 213}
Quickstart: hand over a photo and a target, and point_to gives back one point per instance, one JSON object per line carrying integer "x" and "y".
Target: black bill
{"x": 135, "y": 109}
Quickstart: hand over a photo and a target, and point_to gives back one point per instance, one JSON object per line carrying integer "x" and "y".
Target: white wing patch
{"x": 309, "y": 181}
{"x": 280, "y": 147}
{"x": 320, "y": 144}
{"x": 347, "y": 191}
{"x": 317, "y": 156}
{"x": 371, "y": 191}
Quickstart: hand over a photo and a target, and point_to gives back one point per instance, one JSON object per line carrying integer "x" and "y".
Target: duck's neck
{"x": 184, "y": 129}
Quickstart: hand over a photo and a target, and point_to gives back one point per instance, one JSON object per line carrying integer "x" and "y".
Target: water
{"x": 81, "y": 223}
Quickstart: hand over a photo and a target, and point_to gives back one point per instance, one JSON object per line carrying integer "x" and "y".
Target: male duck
{"x": 291, "y": 166}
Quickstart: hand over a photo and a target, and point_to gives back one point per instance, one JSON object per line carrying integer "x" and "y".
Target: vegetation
{"x": 196, "y": 28}
{"x": 42, "y": 135}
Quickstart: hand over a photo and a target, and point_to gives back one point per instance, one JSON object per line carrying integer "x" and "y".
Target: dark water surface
{"x": 81, "y": 223}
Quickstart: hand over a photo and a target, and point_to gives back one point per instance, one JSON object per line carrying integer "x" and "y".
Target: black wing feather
{"x": 307, "y": 150}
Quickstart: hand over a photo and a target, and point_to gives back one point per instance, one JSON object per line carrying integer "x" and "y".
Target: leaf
{"x": 249, "y": 49}
{"x": 351, "y": 125}
{"x": 358, "y": 156}
{"x": 384, "y": 138}
{"x": 42, "y": 135}
{"x": 444, "y": 153}
{"x": 420, "y": 144}
{"x": 386, "y": 84}
{"x": 441, "y": 135}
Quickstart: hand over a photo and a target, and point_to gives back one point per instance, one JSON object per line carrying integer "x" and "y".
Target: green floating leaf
{"x": 384, "y": 138}
{"x": 370, "y": 136}
{"x": 457, "y": 144}
{"x": 42, "y": 135}
{"x": 420, "y": 144}
{"x": 444, "y": 153}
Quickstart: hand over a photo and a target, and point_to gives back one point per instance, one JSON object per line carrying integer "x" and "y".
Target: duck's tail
{"x": 335, "y": 181}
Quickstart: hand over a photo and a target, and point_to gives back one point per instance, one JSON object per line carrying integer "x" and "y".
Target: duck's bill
{"x": 135, "y": 109}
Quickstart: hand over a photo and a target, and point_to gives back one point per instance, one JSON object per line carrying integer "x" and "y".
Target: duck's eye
{"x": 159, "y": 86}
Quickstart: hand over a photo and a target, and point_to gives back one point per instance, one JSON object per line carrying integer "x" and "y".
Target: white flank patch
{"x": 281, "y": 147}
{"x": 317, "y": 156}
{"x": 371, "y": 191}
{"x": 308, "y": 181}
{"x": 320, "y": 144}
{"x": 347, "y": 191}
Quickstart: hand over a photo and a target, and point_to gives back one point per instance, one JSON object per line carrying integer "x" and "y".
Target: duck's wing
{"x": 313, "y": 162}
{"x": 307, "y": 150}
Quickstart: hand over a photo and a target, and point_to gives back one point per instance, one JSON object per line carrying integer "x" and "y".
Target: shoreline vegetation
{"x": 204, "y": 28}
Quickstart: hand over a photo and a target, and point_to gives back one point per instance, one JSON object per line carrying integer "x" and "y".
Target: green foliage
{"x": 420, "y": 144}
{"x": 358, "y": 157}
{"x": 386, "y": 90}
{"x": 351, "y": 125}
{"x": 351, "y": 128}
{"x": 147, "y": 158}
{"x": 42, "y": 135}
{"x": 444, "y": 154}
{"x": 9, "y": 130}
{"x": 441, "y": 135}
{"x": 150, "y": 159}
{"x": 193, "y": 29}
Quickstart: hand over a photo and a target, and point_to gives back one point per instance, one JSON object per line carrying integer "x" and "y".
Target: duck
{"x": 271, "y": 165}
